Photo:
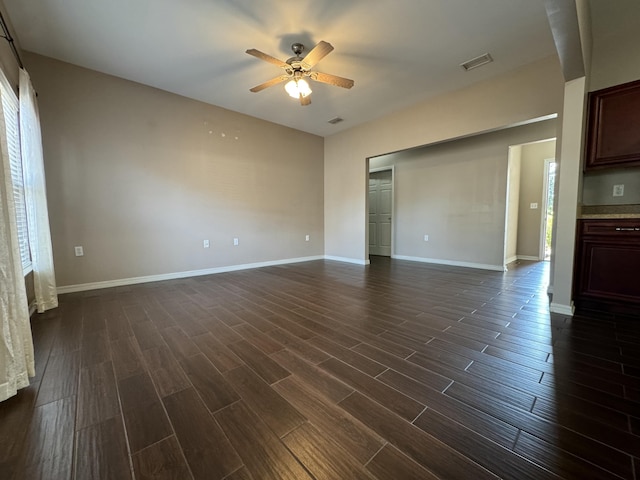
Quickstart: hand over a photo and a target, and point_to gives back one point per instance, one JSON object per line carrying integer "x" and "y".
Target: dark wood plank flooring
{"x": 326, "y": 370}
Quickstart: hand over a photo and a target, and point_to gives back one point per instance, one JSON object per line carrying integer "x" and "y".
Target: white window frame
{"x": 11, "y": 111}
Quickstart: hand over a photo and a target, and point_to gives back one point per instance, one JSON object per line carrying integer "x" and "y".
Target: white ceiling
{"x": 398, "y": 51}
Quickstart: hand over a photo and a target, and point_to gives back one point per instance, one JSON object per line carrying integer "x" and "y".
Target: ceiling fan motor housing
{"x": 298, "y": 67}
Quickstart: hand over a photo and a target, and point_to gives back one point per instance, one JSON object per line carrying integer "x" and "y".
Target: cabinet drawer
{"x": 623, "y": 227}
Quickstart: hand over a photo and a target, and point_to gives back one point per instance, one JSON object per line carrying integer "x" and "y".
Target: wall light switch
{"x": 236, "y": 241}
{"x": 426, "y": 238}
{"x": 79, "y": 251}
{"x": 618, "y": 190}
{"x": 306, "y": 238}
{"x": 205, "y": 243}
{"x": 533, "y": 206}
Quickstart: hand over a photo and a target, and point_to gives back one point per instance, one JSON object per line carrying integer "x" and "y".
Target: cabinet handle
{"x": 627, "y": 229}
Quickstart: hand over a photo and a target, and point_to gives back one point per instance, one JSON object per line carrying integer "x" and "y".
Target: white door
{"x": 380, "y": 210}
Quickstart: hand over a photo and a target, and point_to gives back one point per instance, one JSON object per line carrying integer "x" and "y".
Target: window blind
{"x": 10, "y": 108}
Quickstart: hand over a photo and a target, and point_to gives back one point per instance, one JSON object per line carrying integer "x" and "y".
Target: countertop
{"x": 609, "y": 211}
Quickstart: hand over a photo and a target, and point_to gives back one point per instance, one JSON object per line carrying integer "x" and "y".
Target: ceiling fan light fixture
{"x": 297, "y": 68}
{"x": 297, "y": 88}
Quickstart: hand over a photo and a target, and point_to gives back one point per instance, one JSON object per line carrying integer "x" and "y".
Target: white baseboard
{"x": 173, "y": 276}
{"x": 453, "y": 263}
{"x": 32, "y": 309}
{"x": 511, "y": 259}
{"x": 562, "y": 309}
{"x": 233, "y": 268}
{"x": 348, "y": 260}
{"x": 528, "y": 258}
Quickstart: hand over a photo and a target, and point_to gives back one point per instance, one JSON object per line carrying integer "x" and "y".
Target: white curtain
{"x": 36, "y": 198}
{"x": 16, "y": 345}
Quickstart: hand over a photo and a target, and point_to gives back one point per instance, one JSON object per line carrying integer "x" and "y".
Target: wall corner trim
{"x": 562, "y": 309}
{"x": 453, "y": 263}
{"x": 356, "y": 261}
{"x": 177, "y": 275}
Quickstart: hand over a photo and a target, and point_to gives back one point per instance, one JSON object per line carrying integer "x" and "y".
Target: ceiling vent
{"x": 333, "y": 121}
{"x": 476, "y": 62}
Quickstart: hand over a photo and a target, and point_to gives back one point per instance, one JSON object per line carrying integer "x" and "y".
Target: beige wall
{"x": 532, "y": 191}
{"x": 140, "y": 177}
{"x": 616, "y": 50}
{"x": 529, "y": 92}
{"x": 456, "y": 193}
{"x": 597, "y": 187}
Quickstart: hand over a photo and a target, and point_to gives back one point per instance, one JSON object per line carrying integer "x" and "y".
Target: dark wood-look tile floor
{"x": 325, "y": 370}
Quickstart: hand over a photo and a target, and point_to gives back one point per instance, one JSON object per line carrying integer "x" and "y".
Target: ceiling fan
{"x": 297, "y": 68}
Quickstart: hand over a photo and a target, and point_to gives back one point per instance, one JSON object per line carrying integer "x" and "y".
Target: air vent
{"x": 476, "y": 62}
{"x": 333, "y": 121}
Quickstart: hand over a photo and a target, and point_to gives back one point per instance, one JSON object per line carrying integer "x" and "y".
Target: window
{"x": 10, "y": 108}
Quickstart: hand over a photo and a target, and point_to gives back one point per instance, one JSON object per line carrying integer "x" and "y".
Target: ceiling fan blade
{"x": 270, "y": 83}
{"x": 305, "y": 100}
{"x": 317, "y": 53}
{"x": 267, "y": 58}
{"x": 332, "y": 79}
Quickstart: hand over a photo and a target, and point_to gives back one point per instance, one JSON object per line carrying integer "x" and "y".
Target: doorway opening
{"x": 381, "y": 212}
{"x": 531, "y": 175}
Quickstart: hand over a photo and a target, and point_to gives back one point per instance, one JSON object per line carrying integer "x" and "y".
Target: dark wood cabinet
{"x": 608, "y": 266}
{"x": 613, "y": 127}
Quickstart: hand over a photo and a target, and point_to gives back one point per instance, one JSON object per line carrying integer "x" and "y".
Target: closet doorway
{"x": 380, "y": 212}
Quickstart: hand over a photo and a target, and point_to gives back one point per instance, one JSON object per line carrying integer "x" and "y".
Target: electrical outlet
{"x": 306, "y": 238}
{"x": 236, "y": 241}
{"x": 533, "y": 206}
{"x": 205, "y": 243}
{"x": 426, "y": 238}
{"x": 79, "y": 251}
{"x": 618, "y": 190}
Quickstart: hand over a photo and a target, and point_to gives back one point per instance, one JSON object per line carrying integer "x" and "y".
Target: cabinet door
{"x": 610, "y": 269}
{"x": 613, "y": 137}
